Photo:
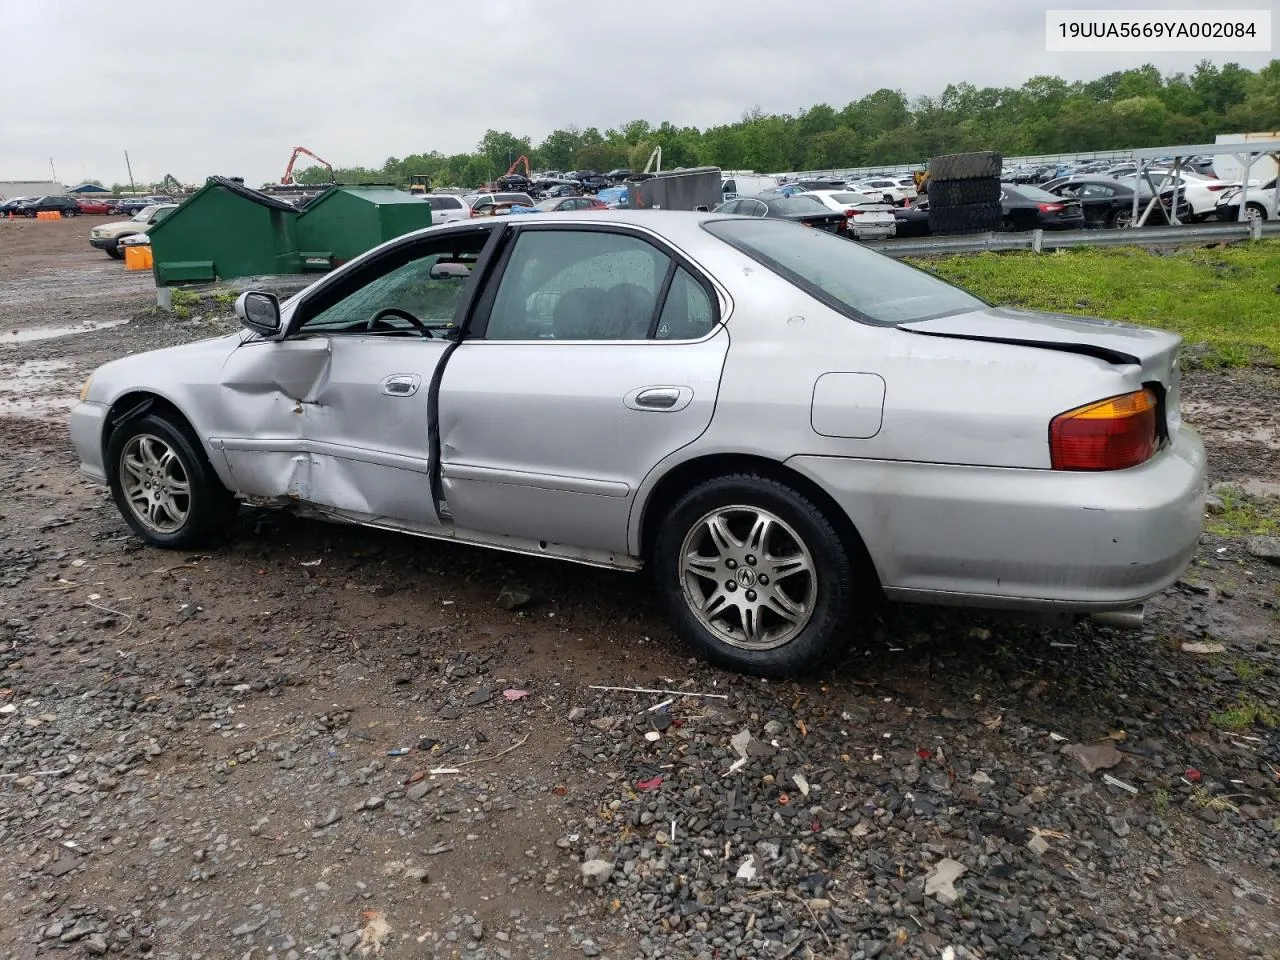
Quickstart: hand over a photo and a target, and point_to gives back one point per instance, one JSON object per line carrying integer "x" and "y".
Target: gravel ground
{"x": 329, "y": 742}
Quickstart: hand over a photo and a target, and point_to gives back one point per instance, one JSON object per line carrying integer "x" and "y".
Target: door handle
{"x": 401, "y": 385}
{"x": 659, "y": 399}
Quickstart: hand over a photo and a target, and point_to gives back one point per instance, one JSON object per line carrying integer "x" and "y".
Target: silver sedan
{"x": 780, "y": 425}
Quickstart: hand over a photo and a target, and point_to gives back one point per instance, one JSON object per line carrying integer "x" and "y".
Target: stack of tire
{"x": 964, "y": 193}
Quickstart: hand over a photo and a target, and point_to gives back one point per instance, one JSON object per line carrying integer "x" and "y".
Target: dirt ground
{"x": 315, "y": 740}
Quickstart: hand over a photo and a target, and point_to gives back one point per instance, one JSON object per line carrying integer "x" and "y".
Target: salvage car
{"x": 782, "y": 426}
{"x": 108, "y": 236}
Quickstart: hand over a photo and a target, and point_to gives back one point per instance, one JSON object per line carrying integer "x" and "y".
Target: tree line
{"x": 1122, "y": 110}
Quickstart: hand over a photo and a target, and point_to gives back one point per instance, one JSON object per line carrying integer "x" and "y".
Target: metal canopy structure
{"x": 1246, "y": 153}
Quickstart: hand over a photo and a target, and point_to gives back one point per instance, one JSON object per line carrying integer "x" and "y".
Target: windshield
{"x": 847, "y": 277}
{"x": 143, "y": 215}
{"x": 850, "y": 197}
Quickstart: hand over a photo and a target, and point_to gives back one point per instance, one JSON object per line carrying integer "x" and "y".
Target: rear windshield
{"x": 798, "y": 205}
{"x": 846, "y": 276}
{"x": 1034, "y": 194}
{"x": 444, "y": 203}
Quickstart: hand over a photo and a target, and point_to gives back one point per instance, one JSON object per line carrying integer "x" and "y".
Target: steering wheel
{"x": 403, "y": 315}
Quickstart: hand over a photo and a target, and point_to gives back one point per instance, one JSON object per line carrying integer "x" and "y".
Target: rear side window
{"x": 847, "y": 277}
{"x": 444, "y": 203}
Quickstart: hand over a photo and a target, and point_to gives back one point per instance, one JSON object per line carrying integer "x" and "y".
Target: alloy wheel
{"x": 155, "y": 483}
{"x": 748, "y": 577}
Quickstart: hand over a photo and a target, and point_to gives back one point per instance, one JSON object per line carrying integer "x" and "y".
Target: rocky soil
{"x": 328, "y": 742}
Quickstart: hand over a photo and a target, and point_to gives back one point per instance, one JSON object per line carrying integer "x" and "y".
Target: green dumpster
{"x": 223, "y": 230}
{"x": 345, "y": 221}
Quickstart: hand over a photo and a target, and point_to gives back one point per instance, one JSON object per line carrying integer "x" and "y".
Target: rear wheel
{"x": 756, "y": 577}
{"x": 115, "y": 252}
{"x": 164, "y": 485}
{"x": 1255, "y": 210}
{"x": 1121, "y": 219}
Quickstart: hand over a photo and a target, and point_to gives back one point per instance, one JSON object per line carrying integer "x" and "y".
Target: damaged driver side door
{"x": 337, "y": 413}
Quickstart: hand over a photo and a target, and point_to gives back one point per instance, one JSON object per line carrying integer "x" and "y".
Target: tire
{"x": 953, "y": 193}
{"x": 148, "y": 458}
{"x": 966, "y": 166}
{"x": 966, "y": 218}
{"x": 1256, "y": 209}
{"x": 115, "y": 253}
{"x": 1008, "y": 226}
{"x": 1120, "y": 219}
{"x": 832, "y": 590}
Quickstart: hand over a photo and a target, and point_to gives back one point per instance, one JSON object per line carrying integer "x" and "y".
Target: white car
{"x": 446, "y": 208}
{"x": 1203, "y": 193}
{"x": 868, "y": 219}
{"x": 888, "y": 189}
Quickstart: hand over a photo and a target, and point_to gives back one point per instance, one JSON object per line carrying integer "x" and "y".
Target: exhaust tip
{"x": 1130, "y": 618}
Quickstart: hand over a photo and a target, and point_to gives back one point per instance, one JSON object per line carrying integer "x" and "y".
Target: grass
{"x": 1245, "y": 713}
{"x": 1244, "y": 516}
{"x": 1225, "y": 298}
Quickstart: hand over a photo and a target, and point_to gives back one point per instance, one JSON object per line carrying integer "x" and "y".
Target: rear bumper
{"x": 1024, "y": 539}
{"x": 87, "y": 422}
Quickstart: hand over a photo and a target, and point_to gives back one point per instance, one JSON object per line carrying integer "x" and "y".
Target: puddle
{"x": 50, "y": 333}
{"x": 35, "y": 388}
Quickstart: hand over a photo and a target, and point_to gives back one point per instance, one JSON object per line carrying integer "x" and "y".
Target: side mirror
{"x": 259, "y": 312}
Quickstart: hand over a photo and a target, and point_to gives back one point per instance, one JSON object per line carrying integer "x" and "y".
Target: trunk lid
{"x": 1156, "y": 352}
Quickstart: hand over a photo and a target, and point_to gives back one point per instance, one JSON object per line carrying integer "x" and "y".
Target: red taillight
{"x": 1215, "y": 187}
{"x": 852, "y": 213}
{"x": 1052, "y": 207}
{"x": 1110, "y": 434}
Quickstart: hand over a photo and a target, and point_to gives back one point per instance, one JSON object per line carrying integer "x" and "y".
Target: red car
{"x": 94, "y": 206}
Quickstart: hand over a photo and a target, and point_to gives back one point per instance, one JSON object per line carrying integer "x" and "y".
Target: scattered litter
{"x": 941, "y": 881}
{"x": 77, "y": 563}
{"x": 374, "y": 933}
{"x": 398, "y": 752}
{"x": 802, "y": 783}
{"x": 468, "y": 763}
{"x": 9, "y": 708}
{"x": 653, "y": 736}
{"x": 311, "y": 563}
{"x": 1109, "y": 779}
{"x": 1038, "y": 845}
{"x": 1204, "y": 648}
{"x": 1193, "y": 774}
{"x": 665, "y": 703}
{"x": 740, "y": 742}
{"x": 747, "y": 869}
{"x": 924, "y": 754}
{"x": 736, "y": 766}
{"x": 515, "y": 694}
{"x": 982, "y": 779}
{"x": 651, "y": 784}
{"x": 1057, "y": 737}
{"x": 677, "y": 693}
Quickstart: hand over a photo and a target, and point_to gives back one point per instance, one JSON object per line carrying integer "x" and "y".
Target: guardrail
{"x": 1041, "y": 240}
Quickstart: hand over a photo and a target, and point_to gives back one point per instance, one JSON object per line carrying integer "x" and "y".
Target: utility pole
{"x": 129, "y": 167}
{"x": 53, "y": 170}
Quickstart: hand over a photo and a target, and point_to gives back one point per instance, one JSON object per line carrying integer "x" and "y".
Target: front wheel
{"x": 164, "y": 485}
{"x": 756, "y": 577}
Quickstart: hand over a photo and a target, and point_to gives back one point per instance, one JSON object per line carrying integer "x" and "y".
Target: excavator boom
{"x": 297, "y": 152}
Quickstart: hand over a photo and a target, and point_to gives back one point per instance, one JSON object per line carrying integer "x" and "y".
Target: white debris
{"x": 747, "y": 869}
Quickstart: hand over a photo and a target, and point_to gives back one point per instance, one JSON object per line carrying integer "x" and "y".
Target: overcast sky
{"x": 231, "y": 86}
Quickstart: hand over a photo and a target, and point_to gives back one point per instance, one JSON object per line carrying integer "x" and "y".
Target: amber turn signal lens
{"x": 1110, "y": 434}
